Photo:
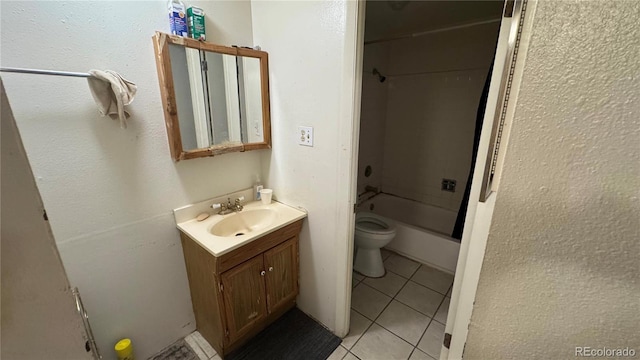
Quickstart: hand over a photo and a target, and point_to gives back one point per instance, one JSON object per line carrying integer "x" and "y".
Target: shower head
{"x": 381, "y": 77}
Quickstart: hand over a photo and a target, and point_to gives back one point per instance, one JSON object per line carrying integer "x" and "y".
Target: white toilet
{"x": 371, "y": 234}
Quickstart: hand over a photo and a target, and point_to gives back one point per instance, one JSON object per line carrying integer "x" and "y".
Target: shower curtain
{"x": 462, "y": 212}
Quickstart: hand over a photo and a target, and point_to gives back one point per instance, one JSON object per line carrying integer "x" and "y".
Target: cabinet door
{"x": 281, "y": 263}
{"x": 243, "y": 293}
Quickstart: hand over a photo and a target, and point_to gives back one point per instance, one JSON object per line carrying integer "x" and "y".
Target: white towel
{"x": 111, "y": 93}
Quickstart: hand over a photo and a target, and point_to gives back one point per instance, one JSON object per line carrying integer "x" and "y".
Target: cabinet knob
{"x": 270, "y": 268}
{"x": 262, "y": 273}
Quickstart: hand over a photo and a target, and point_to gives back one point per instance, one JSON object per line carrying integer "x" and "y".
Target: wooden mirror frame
{"x": 161, "y": 42}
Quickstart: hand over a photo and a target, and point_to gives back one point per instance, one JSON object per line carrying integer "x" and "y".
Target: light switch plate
{"x": 305, "y": 135}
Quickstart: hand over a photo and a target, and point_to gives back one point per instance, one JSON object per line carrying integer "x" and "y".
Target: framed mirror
{"x": 215, "y": 98}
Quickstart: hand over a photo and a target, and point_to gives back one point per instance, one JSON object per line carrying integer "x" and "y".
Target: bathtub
{"x": 423, "y": 231}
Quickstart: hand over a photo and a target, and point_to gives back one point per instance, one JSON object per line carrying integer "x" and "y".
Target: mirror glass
{"x": 218, "y": 97}
{"x": 215, "y": 98}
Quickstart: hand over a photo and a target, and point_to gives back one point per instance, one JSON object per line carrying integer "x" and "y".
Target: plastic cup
{"x": 265, "y": 196}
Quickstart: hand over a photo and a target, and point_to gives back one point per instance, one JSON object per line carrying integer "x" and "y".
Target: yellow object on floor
{"x": 124, "y": 350}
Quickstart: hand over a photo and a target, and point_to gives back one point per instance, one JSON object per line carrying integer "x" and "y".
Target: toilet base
{"x": 369, "y": 262}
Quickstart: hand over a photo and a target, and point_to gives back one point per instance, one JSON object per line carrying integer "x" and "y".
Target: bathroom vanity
{"x": 240, "y": 284}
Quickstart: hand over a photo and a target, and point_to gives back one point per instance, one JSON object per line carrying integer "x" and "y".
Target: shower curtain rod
{"x": 456, "y": 27}
{"x": 44, "y": 72}
{"x": 431, "y": 72}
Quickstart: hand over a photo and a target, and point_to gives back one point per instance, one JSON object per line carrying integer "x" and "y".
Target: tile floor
{"x": 201, "y": 347}
{"x": 399, "y": 316}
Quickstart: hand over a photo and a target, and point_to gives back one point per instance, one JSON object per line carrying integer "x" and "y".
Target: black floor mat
{"x": 294, "y": 336}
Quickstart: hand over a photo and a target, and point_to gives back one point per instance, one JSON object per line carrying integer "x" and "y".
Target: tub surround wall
{"x": 431, "y": 113}
{"x": 109, "y": 192}
{"x": 429, "y": 103}
{"x": 373, "y": 115}
{"x": 563, "y": 248}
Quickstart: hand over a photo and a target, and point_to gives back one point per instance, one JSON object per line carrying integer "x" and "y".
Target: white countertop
{"x": 200, "y": 231}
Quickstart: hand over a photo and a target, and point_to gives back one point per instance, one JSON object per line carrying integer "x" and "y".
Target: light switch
{"x": 305, "y": 135}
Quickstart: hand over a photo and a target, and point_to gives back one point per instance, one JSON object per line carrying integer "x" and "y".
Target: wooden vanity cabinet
{"x": 239, "y": 293}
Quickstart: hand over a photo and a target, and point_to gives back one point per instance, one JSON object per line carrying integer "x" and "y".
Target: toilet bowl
{"x": 372, "y": 232}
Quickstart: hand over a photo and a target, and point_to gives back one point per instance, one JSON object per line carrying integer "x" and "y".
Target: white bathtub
{"x": 423, "y": 231}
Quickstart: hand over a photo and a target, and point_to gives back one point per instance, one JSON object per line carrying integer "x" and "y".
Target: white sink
{"x": 220, "y": 234}
{"x": 243, "y": 223}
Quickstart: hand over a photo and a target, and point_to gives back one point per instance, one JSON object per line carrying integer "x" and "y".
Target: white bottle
{"x": 256, "y": 188}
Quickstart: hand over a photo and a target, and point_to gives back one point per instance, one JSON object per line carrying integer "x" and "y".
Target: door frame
{"x": 479, "y": 214}
{"x": 349, "y": 137}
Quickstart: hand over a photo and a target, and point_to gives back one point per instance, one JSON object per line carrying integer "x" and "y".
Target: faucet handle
{"x": 237, "y": 205}
{"x": 216, "y": 206}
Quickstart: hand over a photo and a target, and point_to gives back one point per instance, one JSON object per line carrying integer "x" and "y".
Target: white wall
{"x": 435, "y": 84}
{"x": 109, "y": 192}
{"x": 561, "y": 268}
{"x": 373, "y": 115}
{"x": 311, "y": 47}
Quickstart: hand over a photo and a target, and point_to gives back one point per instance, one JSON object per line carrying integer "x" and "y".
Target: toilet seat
{"x": 370, "y": 223}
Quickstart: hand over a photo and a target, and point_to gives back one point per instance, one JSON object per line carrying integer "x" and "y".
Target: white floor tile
{"x": 191, "y": 341}
{"x": 433, "y": 279}
{"x": 350, "y": 356}
{"x": 338, "y": 353}
{"x": 385, "y": 253}
{"x": 443, "y": 310}
{"x": 368, "y": 301}
{"x": 380, "y": 344}
{"x": 357, "y": 327}
{"x": 354, "y": 282}
{"x": 404, "y": 322}
{"x": 419, "y": 355}
{"x": 358, "y": 276}
{"x": 431, "y": 342}
{"x": 401, "y": 265}
{"x": 389, "y": 284}
{"x": 420, "y": 298}
{"x": 449, "y": 292}
{"x": 209, "y": 351}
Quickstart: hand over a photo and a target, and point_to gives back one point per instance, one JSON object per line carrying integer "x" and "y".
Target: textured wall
{"x": 110, "y": 192}
{"x": 561, "y": 267}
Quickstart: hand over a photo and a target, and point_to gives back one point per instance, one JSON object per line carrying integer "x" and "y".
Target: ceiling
{"x": 383, "y": 21}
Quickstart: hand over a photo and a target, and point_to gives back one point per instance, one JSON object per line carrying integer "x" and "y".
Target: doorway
{"x": 427, "y": 75}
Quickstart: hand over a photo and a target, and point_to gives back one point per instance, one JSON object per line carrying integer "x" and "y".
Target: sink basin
{"x": 220, "y": 234}
{"x": 243, "y": 223}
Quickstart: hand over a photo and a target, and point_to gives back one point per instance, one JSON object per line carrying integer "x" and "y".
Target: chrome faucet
{"x": 228, "y": 208}
{"x": 236, "y": 206}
